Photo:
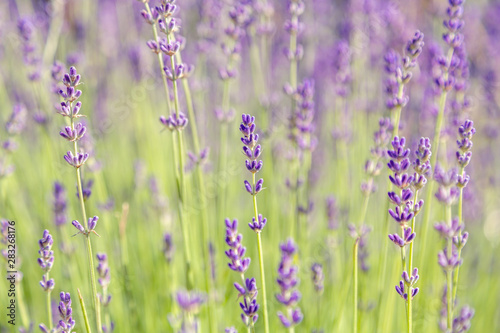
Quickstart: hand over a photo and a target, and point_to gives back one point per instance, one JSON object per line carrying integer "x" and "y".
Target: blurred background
{"x": 130, "y": 177}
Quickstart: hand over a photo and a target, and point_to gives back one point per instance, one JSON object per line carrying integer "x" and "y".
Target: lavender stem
{"x": 435, "y": 145}
{"x": 355, "y": 278}
{"x": 49, "y": 303}
{"x": 449, "y": 302}
{"x": 261, "y": 262}
{"x": 460, "y": 220}
{"x": 84, "y": 311}
{"x": 87, "y": 235}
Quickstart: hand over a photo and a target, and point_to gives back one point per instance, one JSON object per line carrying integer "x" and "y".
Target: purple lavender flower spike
{"x": 46, "y": 259}
{"x": 168, "y": 247}
{"x": 59, "y": 205}
{"x": 174, "y": 122}
{"x": 287, "y": 281}
{"x": 104, "y": 278}
{"x": 332, "y": 213}
{"x": 17, "y": 120}
{"x": 318, "y": 277}
{"x": 240, "y": 264}
{"x": 402, "y": 242}
{"x": 190, "y": 303}
{"x": 78, "y": 226}
{"x": 66, "y": 324}
{"x": 236, "y": 251}
{"x": 257, "y": 226}
{"x": 77, "y": 160}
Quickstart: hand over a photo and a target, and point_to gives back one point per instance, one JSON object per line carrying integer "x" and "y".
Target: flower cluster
{"x": 302, "y": 124}
{"x": 66, "y": 322}
{"x": 399, "y": 70}
{"x": 332, "y": 212}
{"x": 46, "y": 259}
{"x": 31, "y": 59}
{"x": 190, "y": 303}
{"x": 407, "y": 206}
{"x": 407, "y": 283}
{"x": 318, "y": 277}
{"x": 287, "y": 281}
{"x": 174, "y": 121}
{"x": 399, "y": 164}
{"x": 104, "y": 280}
{"x": 168, "y": 247}
{"x": 92, "y": 223}
{"x": 59, "y": 204}
{"x": 240, "y": 264}
{"x": 252, "y": 151}
{"x": 374, "y": 165}
{"x": 14, "y": 126}
{"x": 294, "y": 27}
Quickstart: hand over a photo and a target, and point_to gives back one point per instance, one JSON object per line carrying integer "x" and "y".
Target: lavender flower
{"x": 287, "y": 281}
{"x": 318, "y": 277}
{"x": 373, "y": 166}
{"x": 66, "y": 322}
{"x": 407, "y": 284}
{"x": 59, "y": 205}
{"x": 332, "y": 213}
{"x": 190, "y": 303}
{"x": 252, "y": 151}
{"x": 399, "y": 164}
{"x": 104, "y": 280}
{"x": 240, "y": 264}
{"x": 46, "y": 259}
{"x": 168, "y": 247}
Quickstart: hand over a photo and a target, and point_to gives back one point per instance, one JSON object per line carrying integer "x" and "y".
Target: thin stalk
{"x": 435, "y": 146}
{"x": 54, "y": 32}
{"x": 449, "y": 301}
{"x": 355, "y": 289}
{"x": 177, "y": 147}
{"x": 409, "y": 316}
{"x": 460, "y": 220}
{"x": 84, "y": 311}
{"x": 87, "y": 236}
{"x": 49, "y": 303}
{"x": 261, "y": 263}
{"x": 182, "y": 187}
{"x": 22, "y": 307}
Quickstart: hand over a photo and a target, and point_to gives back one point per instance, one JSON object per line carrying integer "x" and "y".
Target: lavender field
{"x": 249, "y": 166}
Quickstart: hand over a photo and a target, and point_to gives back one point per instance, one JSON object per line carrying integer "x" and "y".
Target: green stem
{"x": 409, "y": 316}
{"x": 449, "y": 301}
{"x": 84, "y": 311}
{"x": 261, "y": 263}
{"x": 435, "y": 146}
{"x": 460, "y": 220}
{"x": 87, "y": 236}
{"x": 49, "y": 303}
{"x": 182, "y": 187}
{"x": 54, "y": 32}
{"x": 355, "y": 291}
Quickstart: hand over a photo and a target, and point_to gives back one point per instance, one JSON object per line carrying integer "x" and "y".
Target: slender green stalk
{"x": 435, "y": 146}
{"x": 22, "y": 307}
{"x": 84, "y": 312}
{"x": 355, "y": 289}
{"x": 178, "y": 160}
{"x": 49, "y": 303}
{"x": 409, "y": 316}
{"x": 449, "y": 301}
{"x": 88, "y": 243}
{"x": 261, "y": 263}
{"x": 460, "y": 220}
{"x": 56, "y": 25}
